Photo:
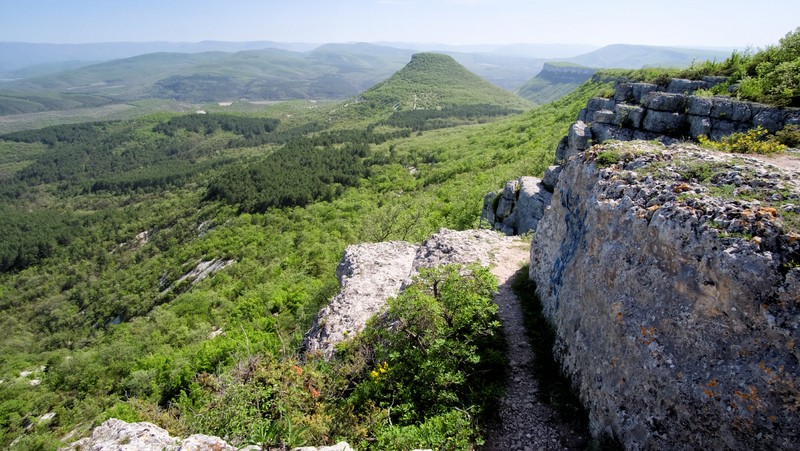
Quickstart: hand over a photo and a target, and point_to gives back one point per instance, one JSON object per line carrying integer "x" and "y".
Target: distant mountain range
{"x": 60, "y": 77}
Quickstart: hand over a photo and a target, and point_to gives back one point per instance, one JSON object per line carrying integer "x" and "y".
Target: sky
{"x": 699, "y": 23}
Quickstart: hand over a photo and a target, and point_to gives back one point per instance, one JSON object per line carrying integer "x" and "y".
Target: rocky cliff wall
{"x": 637, "y": 111}
{"x": 666, "y": 113}
{"x": 676, "y": 302}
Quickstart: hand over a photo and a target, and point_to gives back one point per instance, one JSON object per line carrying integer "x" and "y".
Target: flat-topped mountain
{"x": 556, "y": 80}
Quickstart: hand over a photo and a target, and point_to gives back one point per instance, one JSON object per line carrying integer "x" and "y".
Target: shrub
{"x": 435, "y": 355}
{"x": 757, "y": 140}
{"x": 789, "y": 136}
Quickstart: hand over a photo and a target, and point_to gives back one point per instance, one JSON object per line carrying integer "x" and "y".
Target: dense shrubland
{"x": 100, "y": 319}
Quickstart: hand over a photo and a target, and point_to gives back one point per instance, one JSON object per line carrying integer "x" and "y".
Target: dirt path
{"x": 525, "y": 423}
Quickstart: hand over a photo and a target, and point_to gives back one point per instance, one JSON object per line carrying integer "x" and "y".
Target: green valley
{"x": 105, "y": 315}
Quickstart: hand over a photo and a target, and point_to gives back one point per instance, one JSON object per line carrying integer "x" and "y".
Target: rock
{"x": 341, "y": 446}
{"x": 204, "y": 269}
{"x": 623, "y": 92}
{"x": 677, "y": 335}
{"x": 604, "y": 117}
{"x": 368, "y": 275}
{"x": 487, "y": 214}
{"x": 533, "y": 199}
{"x": 699, "y": 106}
{"x": 458, "y": 247}
{"x": 641, "y": 90}
{"x": 683, "y": 86}
{"x": 550, "y": 179}
{"x": 770, "y": 119}
{"x": 662, "y": 101}
{"x": 597, "y": 104}
{"x": 563, "y": 146}
{"x": 699, "y": 125}
{"x": 604, "y": 132}
{"x": 628, "y": 116}
{"x": 579, "y": 139}
{"x": 665, "y": 123}
{"x": 200, "y": 442}
{"x": 118, "y": 435}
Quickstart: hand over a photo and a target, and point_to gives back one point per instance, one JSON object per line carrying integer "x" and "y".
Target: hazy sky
{"x": 729, "y": 23}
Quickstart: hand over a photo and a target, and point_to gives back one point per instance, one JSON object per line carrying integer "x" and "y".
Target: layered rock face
{"x": 672, "y": 280}
{"x": 647, "y": 111}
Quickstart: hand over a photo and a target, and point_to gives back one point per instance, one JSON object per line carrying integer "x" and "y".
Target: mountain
{"x": 506, "y": 71}
{"x": 434, "y": 81}
{"x": 625, "y": 56}
{"x": 555, "y": 81}
{"x": 332, "y": 71}
{"x": 15, "y": 56}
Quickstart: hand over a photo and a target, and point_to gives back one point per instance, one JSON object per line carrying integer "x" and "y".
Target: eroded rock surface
{"x": 368, "y": 275}
{"x": 672, "y": 278}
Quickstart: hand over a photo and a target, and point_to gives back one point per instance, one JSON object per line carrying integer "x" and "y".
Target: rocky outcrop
{"x": 118, "y": 435}
{"x": 370, "y": 274}
{"x": 518, "y": 208}
{"x": 672, "y": 280}
{"x": 667, "y": 113}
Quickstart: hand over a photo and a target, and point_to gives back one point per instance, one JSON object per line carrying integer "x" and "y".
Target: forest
{"x": 102, "y": 323}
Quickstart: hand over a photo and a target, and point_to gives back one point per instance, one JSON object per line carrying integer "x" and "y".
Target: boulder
{"x": 550, "y": 179}
{"x": 641, "y": 90}
{"x": 533, "y": 199}
{"x": 628, "y": 116}
{"x": 683, "y": 86}
{"x": 699, "y": 106}
{"x": 662, "y": 101}
{"x": 665, "y": 123}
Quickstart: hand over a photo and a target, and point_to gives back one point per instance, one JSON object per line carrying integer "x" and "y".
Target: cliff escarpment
{"x": 676, "y": 307}
{"x": 670, "y": 272}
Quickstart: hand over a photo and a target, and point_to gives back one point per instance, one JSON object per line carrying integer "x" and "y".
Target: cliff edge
{"x": 672, "y": 277}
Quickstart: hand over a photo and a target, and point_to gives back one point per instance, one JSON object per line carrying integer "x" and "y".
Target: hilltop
{"x": 556, "y": 80}
{"x": 433, "y": 81}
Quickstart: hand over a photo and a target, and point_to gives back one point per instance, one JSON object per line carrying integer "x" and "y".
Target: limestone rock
{"x": 368, "y": 275}
{"x": 341, "y": 446}
{"x": 662, "y": 101}
{"x": 531, "y": 203}
{"x": 579, "y": 139}
{"x": 677, "y": 328}
{"x": 118, "y": 435}
{"x": 665, "y": 123}
{"x": 682, "y": 86}
{"x": 550, "y": 179}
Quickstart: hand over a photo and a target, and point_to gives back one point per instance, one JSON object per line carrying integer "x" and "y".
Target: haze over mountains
{"x": 55, "y": 77}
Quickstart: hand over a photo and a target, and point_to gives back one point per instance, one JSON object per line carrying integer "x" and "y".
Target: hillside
{"x": 174, "y": 252}
{"x": 555, "y": 81}
{"x": 332, "y": 71}
{"x": 432, "y": 81}
{"x": 626, "y": 56}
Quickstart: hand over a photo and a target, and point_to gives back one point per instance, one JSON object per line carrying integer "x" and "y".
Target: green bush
{"x": 757, "y": 140}
{"x": 435, "y": 354}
